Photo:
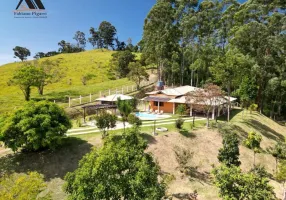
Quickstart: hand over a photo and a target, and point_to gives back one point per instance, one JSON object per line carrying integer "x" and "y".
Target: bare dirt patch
{"x": 204, "y": 144}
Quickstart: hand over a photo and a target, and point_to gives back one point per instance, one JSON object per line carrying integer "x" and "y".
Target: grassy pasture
{"x": 75, "y": 66}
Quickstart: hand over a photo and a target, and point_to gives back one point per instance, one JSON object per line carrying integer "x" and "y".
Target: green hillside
{"x": 204, "y": 143}
{"x": 75, "y": 65}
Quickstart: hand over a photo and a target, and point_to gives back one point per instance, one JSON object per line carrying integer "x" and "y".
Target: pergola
{"x": 97, "y": 107}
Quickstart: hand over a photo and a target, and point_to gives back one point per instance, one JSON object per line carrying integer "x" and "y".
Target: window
{"x": 156, "y": 103}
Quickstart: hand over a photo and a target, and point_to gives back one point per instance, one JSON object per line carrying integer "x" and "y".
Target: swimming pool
{"x": 149, "y": 116}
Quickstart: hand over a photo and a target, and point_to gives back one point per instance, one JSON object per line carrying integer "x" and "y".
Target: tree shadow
{"x": 186, "y": 196}
{"x": 150, "y": 138}
{"x": 201, "y": 177}
{"x": 52, "y": 164}
{"x": 265, "y": 130}
{"x": 187, "y": 133}
{"x": 233, "y": 113}
{"x": 242, "y": 134}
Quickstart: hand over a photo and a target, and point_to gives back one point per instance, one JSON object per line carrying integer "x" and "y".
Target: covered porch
{"x": 161, "y": 104}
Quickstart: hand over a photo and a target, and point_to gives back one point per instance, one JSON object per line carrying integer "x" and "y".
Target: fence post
{"x": 109, "y": 92}
{"x": 69, "y": 102}
{"x": 80, "y": 99}
{"x": 90, "y": 97}
{"x": 54, "y": 101}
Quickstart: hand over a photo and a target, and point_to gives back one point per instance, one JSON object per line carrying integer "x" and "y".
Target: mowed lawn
{"x": 75, "y": 66}
{"x": 203, "y": 142}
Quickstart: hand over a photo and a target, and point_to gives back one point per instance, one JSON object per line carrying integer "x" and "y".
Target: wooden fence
{"x": 77, "y": 101}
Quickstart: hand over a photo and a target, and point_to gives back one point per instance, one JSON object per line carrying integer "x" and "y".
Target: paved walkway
{"x": 119, "y": 126}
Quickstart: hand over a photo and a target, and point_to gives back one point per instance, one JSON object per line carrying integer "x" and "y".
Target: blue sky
{"x": 65, "y": 17}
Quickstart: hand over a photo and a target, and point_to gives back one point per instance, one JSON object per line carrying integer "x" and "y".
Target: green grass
{"x": 150, "y": 129}
{"x": 203, "y": 142}
{"x": 75, "y": 65}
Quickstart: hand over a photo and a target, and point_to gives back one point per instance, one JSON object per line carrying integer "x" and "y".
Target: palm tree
{"x": 125, "y": 109}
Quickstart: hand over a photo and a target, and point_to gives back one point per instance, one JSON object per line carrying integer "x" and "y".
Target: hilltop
{"x": 75, "y": 65}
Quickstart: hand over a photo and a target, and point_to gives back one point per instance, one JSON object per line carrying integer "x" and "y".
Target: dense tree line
{"x": 240, "y": 46}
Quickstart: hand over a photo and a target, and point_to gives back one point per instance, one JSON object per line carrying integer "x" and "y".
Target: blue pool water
{"x": 148, "y": 116}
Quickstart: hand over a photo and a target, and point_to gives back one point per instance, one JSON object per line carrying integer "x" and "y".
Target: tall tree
{"x": 120, "y": 46}
{"x": 229, "y": 69}
{"x": 160, "y": 35}
{"x": 120, "y": 62}
{"x": 39, "y": 55}
{"x": 66, "y": 47}
{"x": 94, "y": 40}
{"x": 21, "y": 52}
{"x": 107, "y": 33}
{"x": 80, "y": 39}
{"x": 257, "y": 35}
{"x": 121, "y": 169}
{"x": 129, "y": 45}
{"x": 247, "y": 91}
{"x": 137, "y": 73}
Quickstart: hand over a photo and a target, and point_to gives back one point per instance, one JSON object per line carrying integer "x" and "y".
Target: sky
{"x": 64, "y": 18}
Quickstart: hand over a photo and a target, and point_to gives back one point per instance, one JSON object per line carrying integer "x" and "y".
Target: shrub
{"x": 121, "y": 169}
{"x": 229, "y": 153}
{"x": 36, "y": 126}
{"x": 181, "y": 109}
{"x": 78, "y": 122}
{"x": 183, "y": 156}
{"x": 179, "y": 123}
{"x": 105, "y": 121}
{"x": 253, "y": 107}
{"x": 235, "y": 184}
{"x": 213, "y": 125}
{"x": 23, "y": 186}
{"x": 168, "y": 178}
{"x": 134, "y": 120}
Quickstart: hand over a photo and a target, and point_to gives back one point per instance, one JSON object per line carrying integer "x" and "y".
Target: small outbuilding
{"x": 111, "y": 99}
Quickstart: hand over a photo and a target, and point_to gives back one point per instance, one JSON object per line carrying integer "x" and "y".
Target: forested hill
{"x": 74, "y": 67}
{"x": 238, "y": 46}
